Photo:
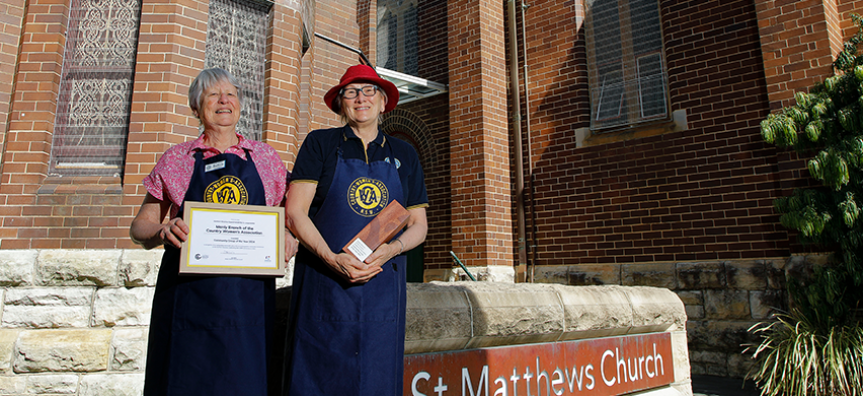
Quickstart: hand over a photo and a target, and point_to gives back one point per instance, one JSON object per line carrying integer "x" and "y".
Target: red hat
{"x": 363, "y": 73}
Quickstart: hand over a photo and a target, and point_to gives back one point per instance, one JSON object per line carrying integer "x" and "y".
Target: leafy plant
{"x": 797, "y": 358}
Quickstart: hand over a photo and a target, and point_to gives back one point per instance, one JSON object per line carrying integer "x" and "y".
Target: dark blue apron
{"x": 348, "y": 339}
{"x": 210, "y": 335}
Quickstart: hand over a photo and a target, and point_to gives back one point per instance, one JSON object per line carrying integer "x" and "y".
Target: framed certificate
{"x": 245, "y": 240}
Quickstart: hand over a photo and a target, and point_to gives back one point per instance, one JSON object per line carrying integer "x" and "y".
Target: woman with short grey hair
{"x": 209, "y": 335}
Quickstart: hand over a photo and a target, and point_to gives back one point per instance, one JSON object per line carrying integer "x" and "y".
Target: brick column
{"x": 31, "y": 119}
{"x": 799, "y": 40}
{"x": 479, "y": 143}
{"x": 282, "y": 107}
{"x": 367, "y": 19}
{"x": 338, "y": 21}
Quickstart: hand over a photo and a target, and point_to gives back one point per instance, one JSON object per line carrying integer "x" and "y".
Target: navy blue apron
{"x": 210, "y": 335}
{"x": 349, "y": 339}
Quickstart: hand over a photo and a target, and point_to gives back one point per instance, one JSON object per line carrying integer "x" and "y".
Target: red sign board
{"x": 594, "y": 367}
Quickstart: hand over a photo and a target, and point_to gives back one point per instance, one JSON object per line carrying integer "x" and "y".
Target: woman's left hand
{"x": 384, "y": 253}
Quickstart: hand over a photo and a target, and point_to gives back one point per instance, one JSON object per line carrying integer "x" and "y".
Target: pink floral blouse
{"x": 170, "y": 178}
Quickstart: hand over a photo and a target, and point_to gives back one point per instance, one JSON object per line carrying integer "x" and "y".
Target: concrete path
{"x": 707, "y": 385}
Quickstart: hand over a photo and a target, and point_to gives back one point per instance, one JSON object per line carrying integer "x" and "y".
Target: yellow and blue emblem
{"x": 227, "y": 190}
{"x": 367, "y": 197}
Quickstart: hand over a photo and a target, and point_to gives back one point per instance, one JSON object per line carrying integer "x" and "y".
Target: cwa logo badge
{"x": 227, "y": 190}
{"x": 367, "y": 197}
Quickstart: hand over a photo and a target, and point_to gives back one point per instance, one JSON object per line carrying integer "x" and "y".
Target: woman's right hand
{"x": 174, "y": 232}
{"x": 147, "y": 228}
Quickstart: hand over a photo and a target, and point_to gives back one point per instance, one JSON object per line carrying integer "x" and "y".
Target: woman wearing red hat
{"x": 347, "y": 316}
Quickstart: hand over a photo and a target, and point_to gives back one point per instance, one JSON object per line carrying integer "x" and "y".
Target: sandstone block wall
{"x": 723, "y": 299}
{"x": 75, "y": 321}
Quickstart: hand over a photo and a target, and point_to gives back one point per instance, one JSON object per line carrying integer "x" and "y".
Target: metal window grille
{"x": 236, "y": 42}
{"x": 92, "y": 121}
{"x": 628, "y": 83}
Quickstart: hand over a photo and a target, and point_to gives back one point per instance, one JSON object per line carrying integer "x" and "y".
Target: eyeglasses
{"x": 368, "y": 91}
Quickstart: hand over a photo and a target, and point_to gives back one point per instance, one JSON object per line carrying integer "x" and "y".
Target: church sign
{"x": 592, "y": 367}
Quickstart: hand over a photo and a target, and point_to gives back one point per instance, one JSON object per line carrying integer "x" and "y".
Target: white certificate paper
{"x": 233, "y": 240}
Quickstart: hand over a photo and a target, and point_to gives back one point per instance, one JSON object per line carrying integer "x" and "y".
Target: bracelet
{"x": 401, "y": 248}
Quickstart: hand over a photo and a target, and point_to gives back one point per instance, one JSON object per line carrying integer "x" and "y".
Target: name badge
{"x": 214, "y": 166}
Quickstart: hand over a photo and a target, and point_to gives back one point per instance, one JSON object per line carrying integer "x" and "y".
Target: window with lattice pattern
{"x": 93, "y": 105}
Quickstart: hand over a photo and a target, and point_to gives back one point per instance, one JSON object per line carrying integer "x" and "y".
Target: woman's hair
{"x": 337, "y": 106}
{"x": 206, "y": 79}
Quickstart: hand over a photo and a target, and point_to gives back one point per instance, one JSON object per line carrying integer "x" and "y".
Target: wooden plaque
{"x": 380, "y": 230}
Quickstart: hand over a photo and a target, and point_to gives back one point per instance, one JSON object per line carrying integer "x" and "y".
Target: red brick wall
{"x": 282, "y": 108}
{"x": 432, "y": 41}
{"x": 29, "y": 129}
{"x": 799, "y": 41}
{"x": 704, "y": 193}
{"x": 845, "y": 8}
{"x": 432, "y": 55}
{"x": 435, "y": 158}
{"x": 338, "y": 21}
{"x": 367, "y": 19}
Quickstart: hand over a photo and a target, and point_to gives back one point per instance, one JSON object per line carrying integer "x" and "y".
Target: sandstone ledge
{"x": 465, "y": 315}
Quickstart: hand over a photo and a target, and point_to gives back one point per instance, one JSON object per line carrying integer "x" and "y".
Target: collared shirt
{"x": 170, "y": 178}
{"x": 316, "y": 162}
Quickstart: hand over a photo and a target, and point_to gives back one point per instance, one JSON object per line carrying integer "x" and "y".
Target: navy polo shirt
{"x": 316, "y": 163}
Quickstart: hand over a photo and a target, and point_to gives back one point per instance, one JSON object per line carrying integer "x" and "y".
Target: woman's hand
{"x": 147, "y": 229}
{"x": 384, "y": 253}
{"x": 174, "y": 232}
{"x": 353, "y": 270}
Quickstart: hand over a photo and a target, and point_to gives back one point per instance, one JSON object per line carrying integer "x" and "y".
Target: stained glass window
{"x": 92, "y": 119}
